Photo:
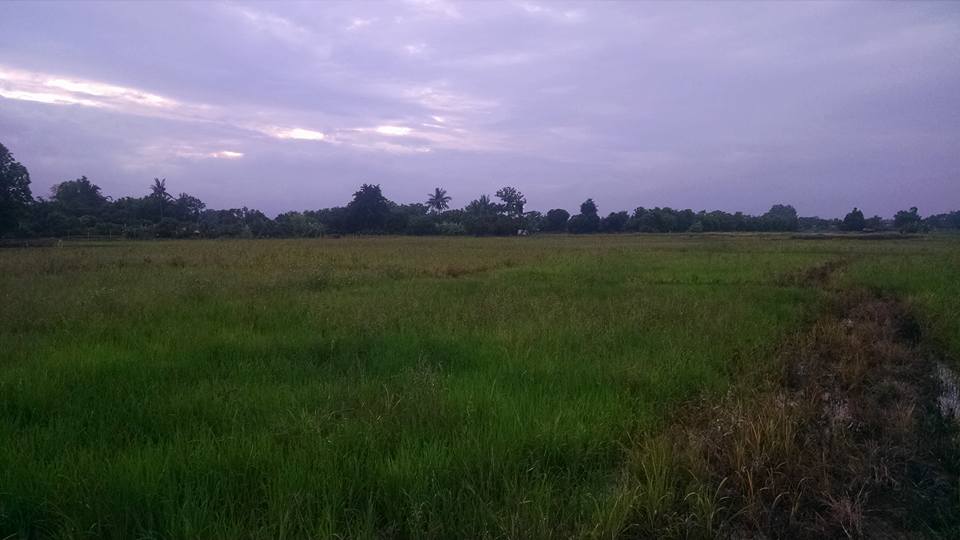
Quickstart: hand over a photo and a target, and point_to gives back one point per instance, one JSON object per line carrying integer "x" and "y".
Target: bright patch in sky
{"x": 227, "y": 154}
{"x": 299, "y": 133}
{"x": 393, "y": 130}
{"x": 108, "y": 90}
{"x": 45, "y": 97}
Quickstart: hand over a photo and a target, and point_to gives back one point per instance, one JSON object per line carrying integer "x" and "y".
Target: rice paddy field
{"x": 391, "y": 387}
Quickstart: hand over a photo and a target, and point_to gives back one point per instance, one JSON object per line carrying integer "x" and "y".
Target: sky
{"x": 291, "y": 106}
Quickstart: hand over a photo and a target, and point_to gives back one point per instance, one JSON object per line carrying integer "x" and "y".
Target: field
{"x": 393, "y": 387}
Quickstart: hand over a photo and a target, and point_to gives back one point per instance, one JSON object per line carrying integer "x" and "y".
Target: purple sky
{"x": 292, "y": 106}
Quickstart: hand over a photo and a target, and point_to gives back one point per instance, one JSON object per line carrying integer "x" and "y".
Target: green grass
{"x": 365, "y": 387}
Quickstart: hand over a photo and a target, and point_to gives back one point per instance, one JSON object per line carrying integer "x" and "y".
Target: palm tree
{"x": 438, "y": 201}
{"x": 158, "y": 191}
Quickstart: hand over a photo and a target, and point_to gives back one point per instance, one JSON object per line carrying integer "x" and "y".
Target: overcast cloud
{"x": 292, "y": 106}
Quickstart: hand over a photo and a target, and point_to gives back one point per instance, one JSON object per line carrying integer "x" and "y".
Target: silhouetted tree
{"x": 369, "y": 210}
{"x": 874, "y": 224}
{"x": 159, "y": 194}
{"x": 78, "y": 197}
{"x": 907, "y": 221}
{"x": 513, "y": 202}
{"x": 556, "y": 220}
{"x": 780, "y": 217}
{"x": 587, "y": 221}
{"x": 15, "y": 196}
{"x": 854, "y": 221}
{"x": 438, "y": 201}
{"x": 533, "y": 221}
{"x": 615, "y": 222}
{"x": 588, "y": 208}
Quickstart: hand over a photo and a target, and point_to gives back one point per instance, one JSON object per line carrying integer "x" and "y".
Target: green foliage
{"x": 581, "y": 224}
{"x": 368, "y": 211}
{"x": 78, "y": 207}
{"x": 78, "y": 197}
{"x": 438, "y": 201}
{"x": 780, "y": 217}
{"x": 556, "y": 220}
{"x": 615, "y": 222}
{"x": 908, "y": 221}
{"x": 15, "y": 196}
{"x": 588, "y": 208}
{"x": 854, "y": 221}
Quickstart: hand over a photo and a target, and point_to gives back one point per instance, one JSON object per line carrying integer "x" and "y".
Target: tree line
{"x": 79, "y": 207}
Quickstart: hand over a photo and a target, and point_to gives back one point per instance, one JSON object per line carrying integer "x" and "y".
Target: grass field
{"x": 371, "y": 387}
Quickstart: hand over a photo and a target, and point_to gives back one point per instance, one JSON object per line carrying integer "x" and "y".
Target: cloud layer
{"x": 291, "y": 106}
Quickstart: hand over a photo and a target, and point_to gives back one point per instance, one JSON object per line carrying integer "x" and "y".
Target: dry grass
{"x": 848, "y": 442}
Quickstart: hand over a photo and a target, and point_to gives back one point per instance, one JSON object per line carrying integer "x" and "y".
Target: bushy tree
{"x": 513, "y": 203}
{"x": 780, "y": 217}
{"x": 556, "y": 220}
{"x": 368, "y": 211}
{"x": 614, "y": 222}
{"x": 587, "y": 221}
{"x": 78, "y": 197}
{"x": 15, "y": 196}
{"x": 950, "y": 220}
{"x": 854, "y": 221}
{"x": 533, "y": 221}
{"x": 874, "y": 224}
{"x": 188, "y": 208}
{"x": 588, "y": 208}
{"x": 298, "y": 224}
{"x": 908, "y": 221}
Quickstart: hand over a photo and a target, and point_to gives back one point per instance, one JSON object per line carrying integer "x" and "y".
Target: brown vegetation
{"x": 847, "y": 442}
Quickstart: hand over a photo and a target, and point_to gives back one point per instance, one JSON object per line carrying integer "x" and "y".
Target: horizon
{"x": 733, "y": 106}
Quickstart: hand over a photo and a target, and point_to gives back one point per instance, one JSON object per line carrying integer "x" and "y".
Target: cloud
{"x": 296, "y": 133}
{"x": 357, "y": 23}
{"x": 437, "y": 8}
{"x": 226, "y": 154}
{"x": 393, "y": 130}
{"x": 562, "y": 15}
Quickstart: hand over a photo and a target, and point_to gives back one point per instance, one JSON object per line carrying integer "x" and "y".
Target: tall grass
{"x": 367, "y": 387}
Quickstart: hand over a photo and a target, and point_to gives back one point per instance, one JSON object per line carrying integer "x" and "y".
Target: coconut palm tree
{"x": 158, "y": 191}
{"x": 438, "y": 201}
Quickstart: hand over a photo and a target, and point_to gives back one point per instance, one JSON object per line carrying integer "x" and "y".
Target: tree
{"x": 587, "y": 221}
{"x": 615, "y": 222}
{"x": 532, "y": 221}
{"x": 483, "y": 216}
{"x": 438, "y": 201}
{"x": 556, "y": 220}
{"x": 908, "y": 221}
{"x": 513, "y": 202}
{"x": 854, "y": 221}
{"x": 369, "y": 210}
{"x": 78, "y": 197}
{"x": 15, "y": 196}
{"x": 188, "y": 208}
{"x": 780, "y": 217}
{"x": 588, "y": 208}
{"x": 159, "y": 194}
{"x": 874, "y": 224}
{"x": 297, "y": 224}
